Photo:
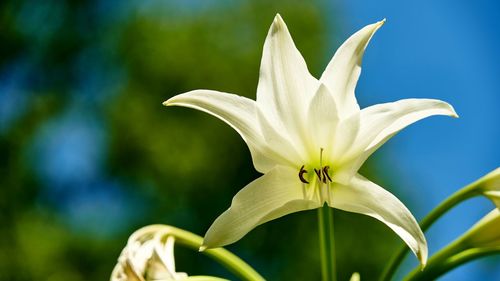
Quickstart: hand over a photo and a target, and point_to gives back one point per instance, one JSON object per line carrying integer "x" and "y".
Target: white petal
{"x": 355, "y": 277}
{"x": 165, "y": 252}
{"x": 157, "y": 269}
{"x": 278, "y": 142}
{"x": 273, "y": 195}
{"x": 241, "y": 114}
{"x": 485, "y": 233}
{"x": 365, "y": 197}
{"x": 342, "y": 73}
{"x": 130, "y": 273}
{"x": 490, "y": 186}
{"x": 382, "y": 121}
{"x": 323, "y": 120}
{"x": 345, "y": 135}
{"x": 285, "y": 84}
{"x": 494, "y": 195}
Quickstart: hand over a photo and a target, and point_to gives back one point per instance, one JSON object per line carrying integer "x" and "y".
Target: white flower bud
{"x": 148, "y": 256}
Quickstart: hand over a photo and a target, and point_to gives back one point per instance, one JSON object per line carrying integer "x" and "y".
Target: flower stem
{"x": 204, "y": 278}
{"x": 446, "y": 260}
{"x": 327, "y": 245}
{"x": 221, "y": 255}
{"x": 457, "y": 197}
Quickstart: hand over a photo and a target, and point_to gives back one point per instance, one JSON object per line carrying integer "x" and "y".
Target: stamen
{"x": 325, "y": 174}
{"x": 301, "y": 175}
{"x": 321, "y": 173}
{"x": 318, "y": 173}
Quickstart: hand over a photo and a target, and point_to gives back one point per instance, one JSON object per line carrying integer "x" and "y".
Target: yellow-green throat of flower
{"x": 321, "y": 172}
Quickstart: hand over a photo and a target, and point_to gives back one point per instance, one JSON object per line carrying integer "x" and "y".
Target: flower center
{"x": 321, "y": 172}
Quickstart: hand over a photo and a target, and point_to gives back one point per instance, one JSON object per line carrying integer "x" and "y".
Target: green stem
{"x": 457, "y": 197}
{"x": 205, "y": 278}
{"x": 327, "y": 245}
{"x": 445, "y": 261}
{"x": 221, "y": 255}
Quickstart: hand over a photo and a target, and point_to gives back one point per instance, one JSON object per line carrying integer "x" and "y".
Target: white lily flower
{"x": 148, "y": 256}
{"x": 309, "y": 138}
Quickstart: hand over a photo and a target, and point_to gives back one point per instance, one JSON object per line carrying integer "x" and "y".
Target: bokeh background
{"x": 89, "y": 154}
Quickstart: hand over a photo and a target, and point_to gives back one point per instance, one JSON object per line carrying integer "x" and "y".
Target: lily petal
{"x": 278, "y": 143}
{"x": 273, "y": 195}
{"x": 346, "y": 134}
{"x": 342, "y": 73}
{"x": 382, "y": 121}
{"x": 494, "y": 195}
{"x": 489, "y": 186}
{"x": 285, "y": 84}
{"x": 365, "y": 197}
{"x": 323, "y": 120}
{"x": 355, "y": 277}
{"x": 241, "y": 114}
{"x": 485, "y": 233}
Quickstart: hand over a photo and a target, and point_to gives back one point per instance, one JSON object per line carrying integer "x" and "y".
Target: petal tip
{"x": 202, "y": 248}
{"x": 378, "y": 25}
{"x": 453, "y": 113}
{"x": 278, "y": 18}
{"x": 447, "y": 109}
{"x": 170, "y": 101}
{"x": 278, "y": 24}
{"x": 422, "y": 257}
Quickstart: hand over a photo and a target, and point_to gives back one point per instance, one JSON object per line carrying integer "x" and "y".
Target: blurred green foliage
{"x": 164, "y": 165}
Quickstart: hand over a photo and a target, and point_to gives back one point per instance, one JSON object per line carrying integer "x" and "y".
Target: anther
{"x": 318, "y": 173}
{"x": 301, "y": 174}
{"x": 325, "y": 174}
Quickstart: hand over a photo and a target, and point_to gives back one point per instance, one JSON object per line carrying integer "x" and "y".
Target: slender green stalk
{"x": 327, "y": 245}
{"x": 445, "y": 261}
{"x": 457, "y": 197}
{"x": 480, "y": 240}
{"x": 205, "y": 278}
{"x": 221, "y": 255}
